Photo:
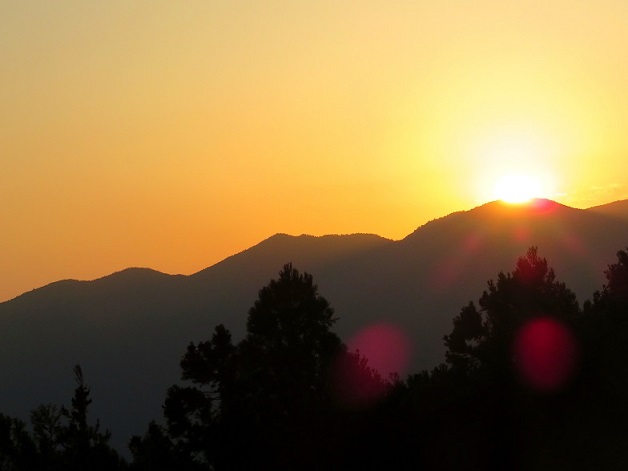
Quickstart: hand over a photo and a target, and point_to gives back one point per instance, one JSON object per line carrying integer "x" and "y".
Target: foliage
{"x": 272, "y": 401}
{"x": 46, "y": 420}
{"x": 155, "y": 452}
{"x": 483, "y": 338}
{"x": 61, "y": 439}
{"x": 84, "y": 446}
{"x": 614, "y": 294}
{"x": 266, "y": 401}
{"x": 579, "y": 425}
{"x": 17, "y": 448}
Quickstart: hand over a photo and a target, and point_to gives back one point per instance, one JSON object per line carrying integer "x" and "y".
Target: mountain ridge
{"x": 129, "y": 329}
{"x": 619, "y": 207}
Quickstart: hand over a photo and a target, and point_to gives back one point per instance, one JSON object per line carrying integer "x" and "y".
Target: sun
{"x": 517, "y": 188}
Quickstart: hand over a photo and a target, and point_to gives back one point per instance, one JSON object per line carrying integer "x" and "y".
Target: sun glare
{"x": 517, "y": 188}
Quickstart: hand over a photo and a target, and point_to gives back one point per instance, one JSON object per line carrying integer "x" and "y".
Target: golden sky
{"x": 173, "y": 134}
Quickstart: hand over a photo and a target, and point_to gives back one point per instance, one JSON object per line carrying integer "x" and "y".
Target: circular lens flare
{"x": 385, "y": 346}
{"x": 358, "y": 376}
{"x": 546, "y": 354}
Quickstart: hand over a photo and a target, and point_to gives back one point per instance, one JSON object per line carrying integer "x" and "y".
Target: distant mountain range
{"x": 128, "y": 330}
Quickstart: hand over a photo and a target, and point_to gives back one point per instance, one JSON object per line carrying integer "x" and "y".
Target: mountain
{"x": 128, "y": 330}
{"x": 618, "y": 209}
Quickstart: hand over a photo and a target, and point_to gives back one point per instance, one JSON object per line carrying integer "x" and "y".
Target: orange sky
{"x": 173, "y": 134}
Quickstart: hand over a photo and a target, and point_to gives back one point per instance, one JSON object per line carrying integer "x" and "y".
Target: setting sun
{"x": 517, "y": 188}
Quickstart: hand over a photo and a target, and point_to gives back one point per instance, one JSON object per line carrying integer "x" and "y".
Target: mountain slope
{"x": 129, "y": 330}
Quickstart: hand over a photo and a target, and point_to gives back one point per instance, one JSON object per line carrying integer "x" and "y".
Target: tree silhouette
{"x": 504, "y": 402}
{"x": 605, "y": 326}
{"x": 483, "y": 338}
{"x": 604, "y": 383}
{"x": 266, "y": 402}
{"x": 61, "y": 439}
{"x": 85, "y": 446}
{"x": 17, "y": 449}
{"x": 193, "y": 412}
{"x": 531, "y": 382}
{"x": 155, "y": 452}
{"x": 46, "y": 421}
{"x": 516, "y": 356}
{"x": 614, "y": 294}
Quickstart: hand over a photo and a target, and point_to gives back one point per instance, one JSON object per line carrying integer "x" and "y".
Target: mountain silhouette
{"x": 129, "y": 330}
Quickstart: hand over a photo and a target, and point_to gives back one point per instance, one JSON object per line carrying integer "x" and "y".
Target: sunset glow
{"x": 517, "y": 188}
{"x": 173, "y": 135}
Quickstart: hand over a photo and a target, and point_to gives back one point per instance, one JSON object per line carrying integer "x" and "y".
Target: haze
{"x": 171, "y": 135}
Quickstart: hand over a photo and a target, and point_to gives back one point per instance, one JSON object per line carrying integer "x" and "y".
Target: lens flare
{"x": 546, "y": 354}
{"x": 382, "y": 348}
{"x": 353, "y": 384}
{"x": 385, "y": 346}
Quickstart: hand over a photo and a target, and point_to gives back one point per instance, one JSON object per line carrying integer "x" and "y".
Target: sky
{"x": 171, "y": 135}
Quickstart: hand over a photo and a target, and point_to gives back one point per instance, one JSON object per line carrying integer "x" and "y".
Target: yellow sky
{"x": 173, "y": 134}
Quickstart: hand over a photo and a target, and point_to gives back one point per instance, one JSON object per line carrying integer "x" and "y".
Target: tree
{"x": 46, "y": 421}
{"x": 84, "y": 446}
{"x": 604, "y": 384}
{"x": 61, "y": 439}
{"x": 483, "y": 338}
{"x": 286, "y": 355}
{"x": 17, "y": 449}
{"x": 194, "y": 413}
{"x": 515, "y": 354}
{"x": 614, "y": 294}
{"x": 605, "y": 326}
{"x": 155, "y": 452}
{"x": 265, "y": 402}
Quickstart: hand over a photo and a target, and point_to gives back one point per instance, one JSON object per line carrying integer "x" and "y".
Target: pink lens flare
{"x": 384, "y": 349}
{"x": 546, "y": 354}
{"x": 385, "y": 346}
